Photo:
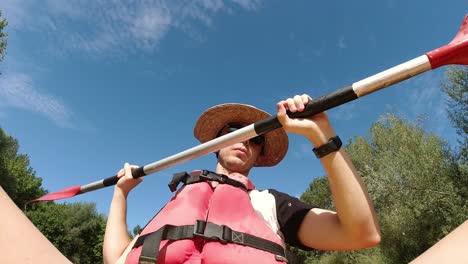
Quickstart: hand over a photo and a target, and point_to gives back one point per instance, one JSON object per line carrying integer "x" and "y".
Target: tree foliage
{"x": 136, "y": 230}
{"x": 8, "y": 148}
{"x": 456, "y": 88}
{"x": 410, "y": 177}
{"x": 17, "y": 178}
{"x": 3, "y": 36}
{"x": 319, "y": 194}
{"x": 77, "y": 230}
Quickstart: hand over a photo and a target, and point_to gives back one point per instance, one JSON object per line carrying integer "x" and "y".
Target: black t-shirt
{"x": 282, "y": 212}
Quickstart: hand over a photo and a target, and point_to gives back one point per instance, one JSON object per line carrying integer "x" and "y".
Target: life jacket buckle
{"x": 176, "y": 179}
{"x": 211, "y": 231}
{"x": 210, "y": 176}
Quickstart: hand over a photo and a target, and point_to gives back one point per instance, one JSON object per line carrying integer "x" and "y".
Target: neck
{"x": 222, "y": 170}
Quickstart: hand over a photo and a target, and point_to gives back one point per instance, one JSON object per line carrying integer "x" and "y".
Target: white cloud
{"x": 151, "y": 25}
{"x": 425, "y": 95}
{"x": 343, "y": 112}
{"x": 98, "y": 26}
{"x": 248, "y": 4}
{"x": 17, "y": 90}
{"x": 425, "y": 98}
{"x": 341, "y": 42}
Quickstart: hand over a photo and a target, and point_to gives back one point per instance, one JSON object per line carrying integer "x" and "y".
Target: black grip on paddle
{"x": 136, "y": 173}
{"x": 326, "y": 102}
{"x": 266, "y": 125}
{"x": 110, "y": 181}
{"x": 315, "y": 106}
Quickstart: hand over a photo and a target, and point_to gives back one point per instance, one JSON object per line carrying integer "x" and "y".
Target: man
{"x": 352, "y": 226}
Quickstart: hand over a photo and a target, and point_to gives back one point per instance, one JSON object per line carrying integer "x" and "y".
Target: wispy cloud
{"x": 341, "y": 42}
{"x": 425, "y": 98}
{"x": 425, "y": 95}
{"x": 343, "y": 112}
{"x": 18, "y": 90}
{"x": 98, "y": 26}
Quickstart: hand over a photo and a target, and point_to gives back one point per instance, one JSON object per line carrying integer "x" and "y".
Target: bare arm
{"x": 451, "y": 249}
{"x": 20, "y": 240}
{"x": 354, "y": 224}
{"x": 116, "y": 238}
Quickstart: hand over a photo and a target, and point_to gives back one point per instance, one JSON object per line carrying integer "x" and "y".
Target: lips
{"x": 243, "y": 150}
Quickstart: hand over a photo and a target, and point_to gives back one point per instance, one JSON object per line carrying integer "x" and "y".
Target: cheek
{"x": 223, "y": 153}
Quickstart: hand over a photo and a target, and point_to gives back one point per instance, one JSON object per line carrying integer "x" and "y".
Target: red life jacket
{"x": 205, "y": 224}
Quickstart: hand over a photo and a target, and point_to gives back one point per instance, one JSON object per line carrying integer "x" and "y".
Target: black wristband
{"x": 332, "y": 145}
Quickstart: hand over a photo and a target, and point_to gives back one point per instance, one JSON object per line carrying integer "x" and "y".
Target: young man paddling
{"x": 218, "y": 217}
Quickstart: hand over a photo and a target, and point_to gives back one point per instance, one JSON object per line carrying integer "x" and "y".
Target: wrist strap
{"x": 332, "y": 145}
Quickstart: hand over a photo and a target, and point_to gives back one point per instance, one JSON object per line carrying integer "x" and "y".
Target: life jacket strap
{"x": 205, "y": 230}
{"x": 205, "y": 175}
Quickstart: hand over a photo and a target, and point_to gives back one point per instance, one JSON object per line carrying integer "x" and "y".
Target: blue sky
{"x": 89, "y": 85}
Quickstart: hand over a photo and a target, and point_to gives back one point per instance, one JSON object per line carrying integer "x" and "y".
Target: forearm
{"x": 116, "y": 238}
{"x": 20, "y": 240}
{"x": 352, "y": 202}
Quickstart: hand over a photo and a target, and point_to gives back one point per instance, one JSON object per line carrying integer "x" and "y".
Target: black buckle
{"x": 211, "y": 231}
{"x": 176, "y": 179}
{"x": 210, "y": 176}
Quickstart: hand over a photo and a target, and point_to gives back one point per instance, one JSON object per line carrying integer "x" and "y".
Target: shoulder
{"x": 289, "y": 212}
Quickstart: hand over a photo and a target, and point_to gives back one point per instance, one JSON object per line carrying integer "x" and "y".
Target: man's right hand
{"x": 126, "y": 181}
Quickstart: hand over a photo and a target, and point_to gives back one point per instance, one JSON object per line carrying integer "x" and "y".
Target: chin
{"x": 236, "y": 165}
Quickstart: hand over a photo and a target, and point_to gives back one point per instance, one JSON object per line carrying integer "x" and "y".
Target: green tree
{"x": 319, "y": 194}
{"x": 17, "y": 178}
{"x": 136, "y": 230}
{"x": 410, "y": 177}
{"x": 76, "y": 229}
{"x": 3, "y": 36}
{"x": 456, "y": 88}
{"x": 8, "y": 148}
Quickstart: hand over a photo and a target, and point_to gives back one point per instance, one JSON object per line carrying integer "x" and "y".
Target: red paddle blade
{"x": 456, "y": 52}
{"x": 65, "y": 193}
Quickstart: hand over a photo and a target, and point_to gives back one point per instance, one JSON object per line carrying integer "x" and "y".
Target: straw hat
{"x": 216, "y": 117}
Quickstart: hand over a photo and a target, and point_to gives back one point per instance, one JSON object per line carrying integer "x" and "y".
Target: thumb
{"x": 128, "y": 171}
{"x": 281, "y": 115}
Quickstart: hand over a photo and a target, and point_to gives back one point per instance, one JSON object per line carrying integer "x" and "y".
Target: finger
{"x": 128, "y": 170}
{"x": 120, "y": 173}
{"x": 281, "y": 115}
{"x": 306, "y": 98}
{"x": 281, "y": 108}
{"x": 299, "y": 103}
{"x": 291, "y": 105}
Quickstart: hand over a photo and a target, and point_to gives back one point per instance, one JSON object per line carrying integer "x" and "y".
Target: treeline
{"x": 76, "y": 229}
{"x": 418, "y": 184}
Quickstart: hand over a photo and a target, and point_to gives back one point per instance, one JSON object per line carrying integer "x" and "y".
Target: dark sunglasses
{"x": 258, "y": 140}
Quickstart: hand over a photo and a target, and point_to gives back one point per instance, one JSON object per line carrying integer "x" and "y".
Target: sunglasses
{"x": 258, "y": 140}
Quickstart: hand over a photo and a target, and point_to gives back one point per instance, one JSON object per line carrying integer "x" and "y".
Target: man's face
{"x": 239, "y": 157}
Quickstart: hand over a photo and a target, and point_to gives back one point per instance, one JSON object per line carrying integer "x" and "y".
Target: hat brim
{"x": 216, "y": 117}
